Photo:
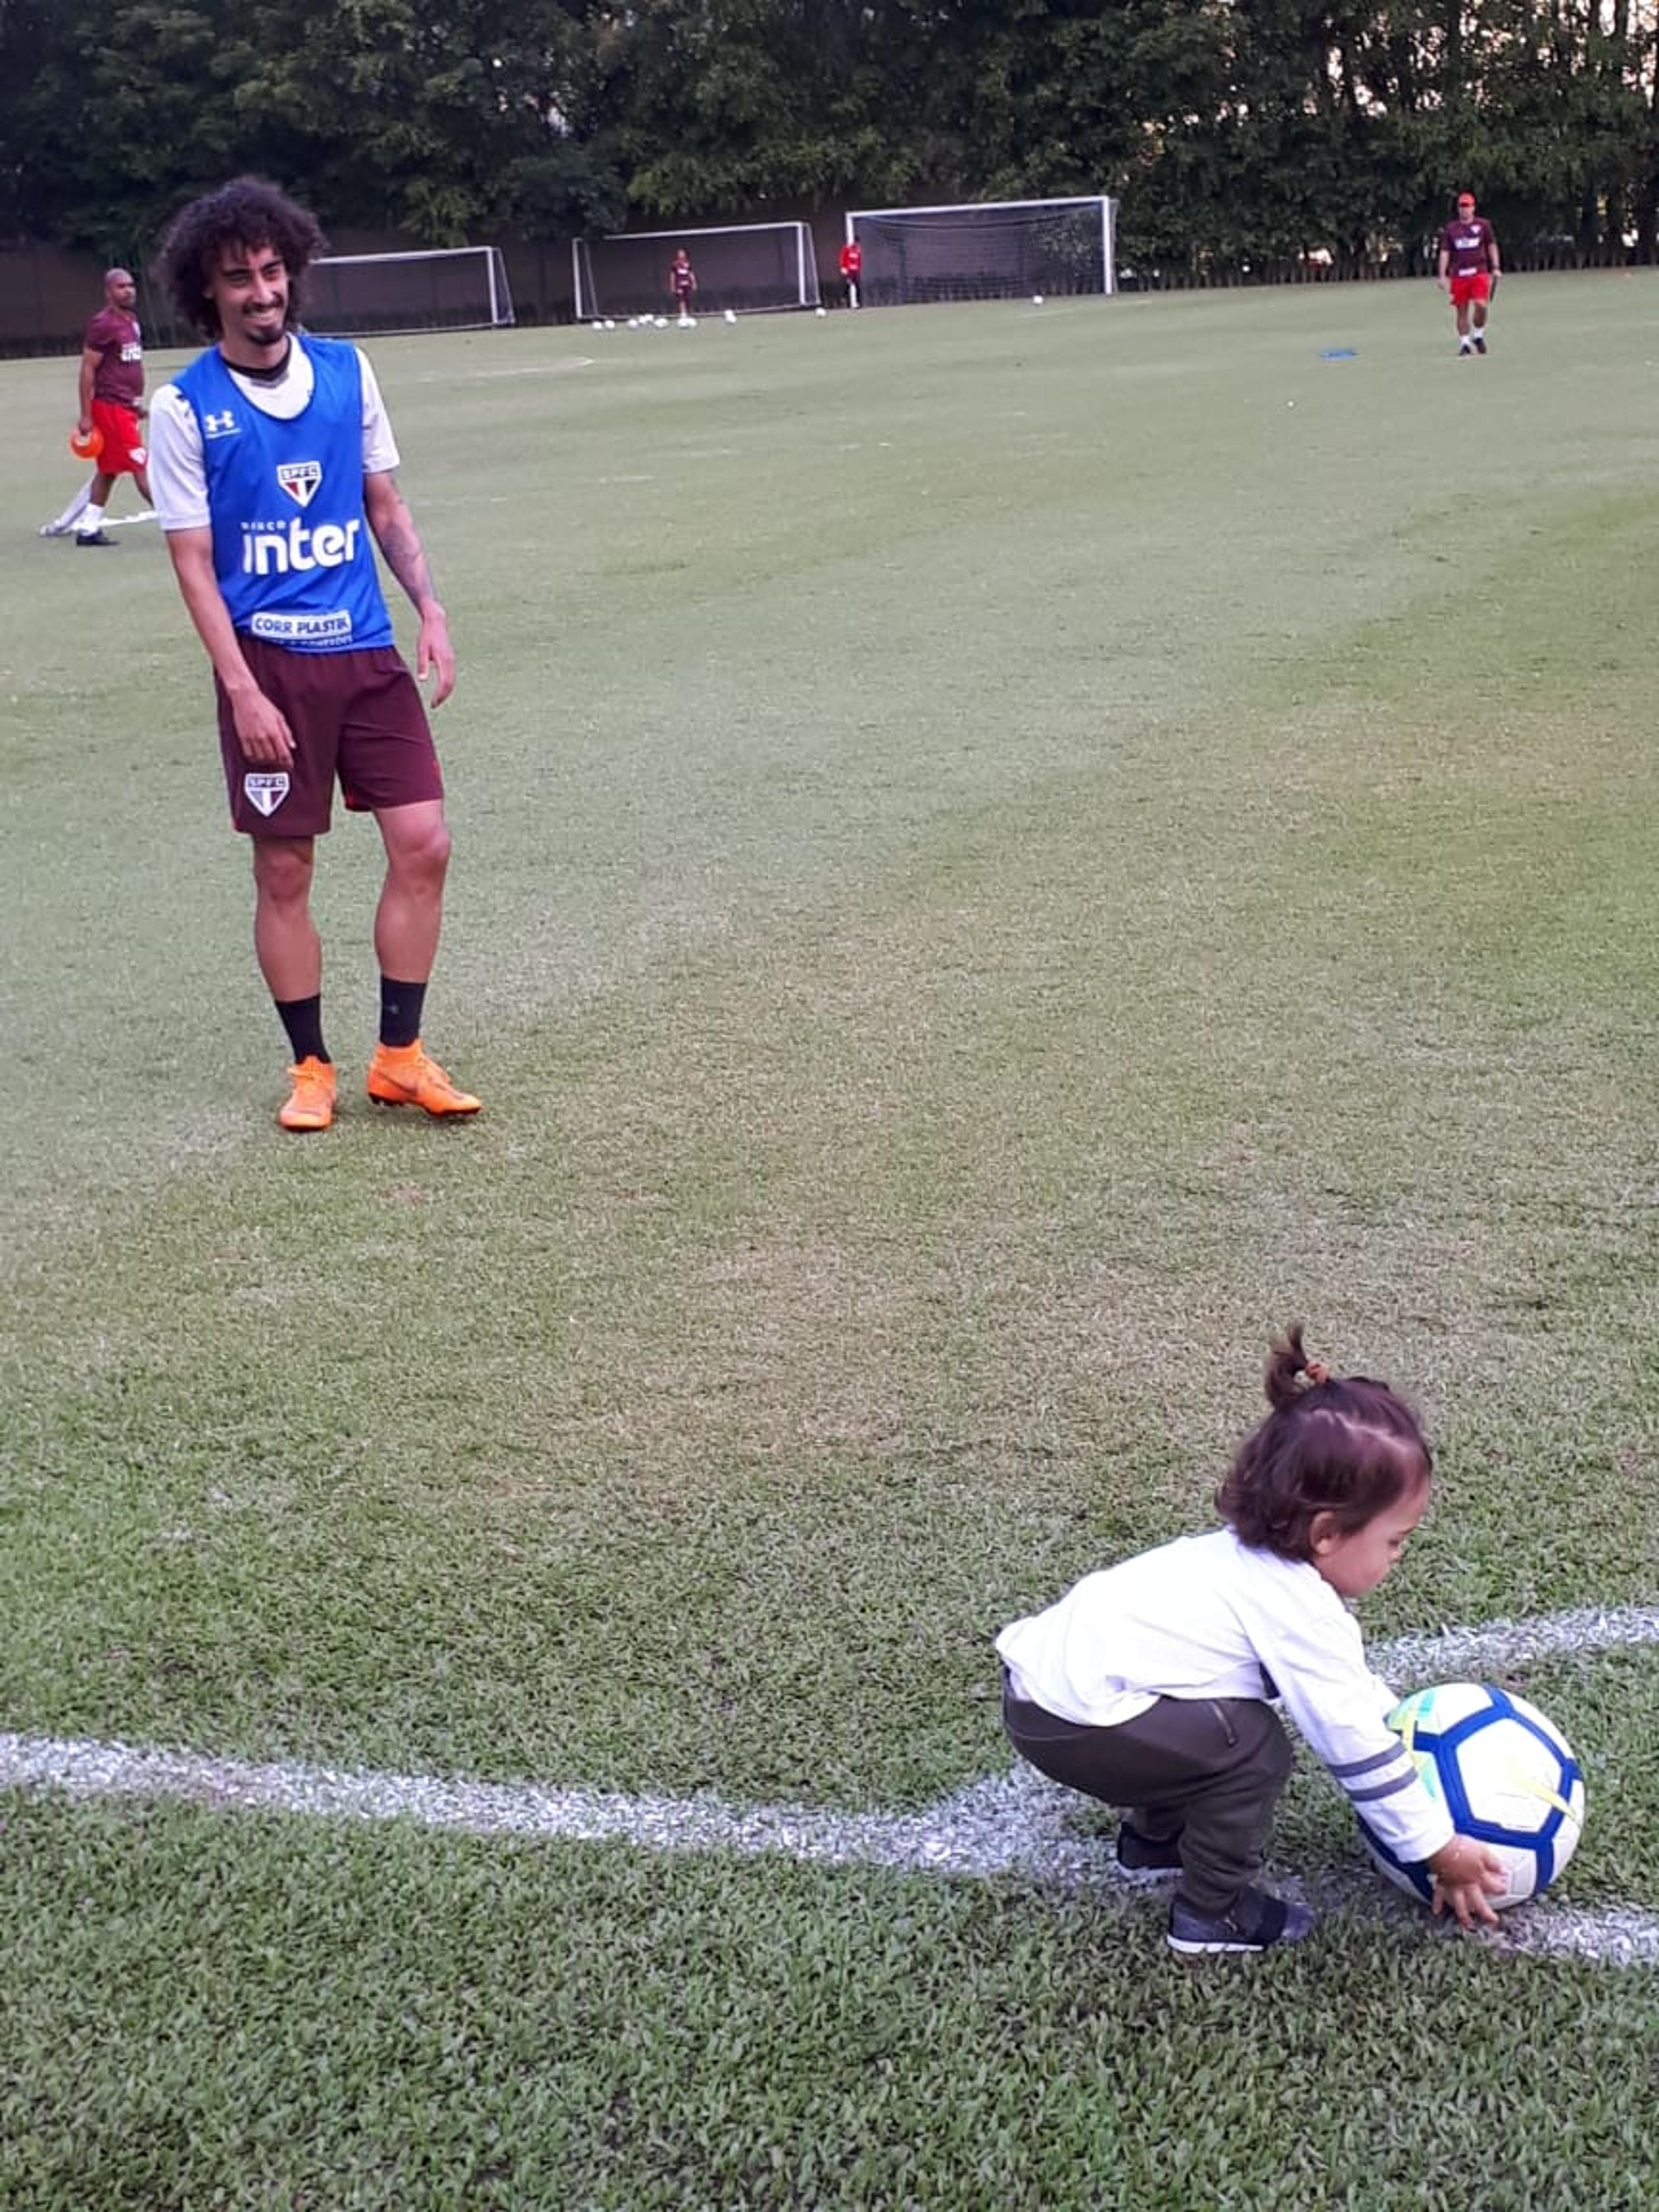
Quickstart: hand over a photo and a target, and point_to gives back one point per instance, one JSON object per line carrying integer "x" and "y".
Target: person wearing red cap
{"x": 1468, "y": 272}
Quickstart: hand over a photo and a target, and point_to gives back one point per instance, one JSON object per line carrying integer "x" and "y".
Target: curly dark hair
{"x": 1338, "y": 1444}
{"x": 246, "y": 212}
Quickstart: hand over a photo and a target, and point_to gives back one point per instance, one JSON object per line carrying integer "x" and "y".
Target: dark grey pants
{"x": 1209, "y": 1769}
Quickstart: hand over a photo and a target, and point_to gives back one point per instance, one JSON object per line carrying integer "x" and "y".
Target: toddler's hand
{"x": 1465, "y": 1878}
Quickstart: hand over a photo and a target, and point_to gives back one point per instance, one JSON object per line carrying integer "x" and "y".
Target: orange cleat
{"x": 310, "y": 1105}
{"x": 407, "y": 1075}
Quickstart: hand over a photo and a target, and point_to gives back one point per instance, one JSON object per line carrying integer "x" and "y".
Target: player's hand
{"x": 434, "y": 656}
{"x": 1466, "y": 1877}
{"x": 262, "y": 730}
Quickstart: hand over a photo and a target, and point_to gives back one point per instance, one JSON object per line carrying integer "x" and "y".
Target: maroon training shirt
{"x": 115, "y": 337}
{"x": 1467, "y": 246}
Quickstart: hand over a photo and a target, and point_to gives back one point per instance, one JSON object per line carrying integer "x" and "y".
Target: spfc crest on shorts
{"x": 299, "y": 480}
{"x": 266, "y": 788}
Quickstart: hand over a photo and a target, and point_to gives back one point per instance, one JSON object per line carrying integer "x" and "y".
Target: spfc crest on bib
{"x": 299, "y": 480}
{"x": 266, "y": 788}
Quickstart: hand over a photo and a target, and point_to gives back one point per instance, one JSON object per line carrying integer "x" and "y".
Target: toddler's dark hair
{"x": 246, "y": 212}
{"x": 1340, "y": 1444}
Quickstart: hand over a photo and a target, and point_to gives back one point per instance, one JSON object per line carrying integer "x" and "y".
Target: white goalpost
{"x": 751, "y": 268}
{"x": 985, "y": 250}
{"x": 457, "y": 288}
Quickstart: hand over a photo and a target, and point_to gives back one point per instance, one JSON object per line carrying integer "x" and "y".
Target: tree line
{"x": 1235, "y": 133}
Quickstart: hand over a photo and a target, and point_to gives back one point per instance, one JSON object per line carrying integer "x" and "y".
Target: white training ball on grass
{"x": 662, "y": 322}
{"x": 1036, "y": 299}
{"x": 608, "y": 324}
{"x": 824, "y": 311}
{"x": 730, "y": 314}
{"x": 1505, "y": 1774}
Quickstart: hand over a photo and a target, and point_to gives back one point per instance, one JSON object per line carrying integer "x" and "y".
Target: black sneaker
{"x": 1254, "y": 1922}
{"x": 94, "y": 537}
{"x": 1147, "y": 1858}
{"x": 1480, "y": 343}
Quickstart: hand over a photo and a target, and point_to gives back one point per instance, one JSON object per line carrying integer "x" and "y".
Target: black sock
{"x": 303, "y": 1020}
{"x": 400, "y": 1011}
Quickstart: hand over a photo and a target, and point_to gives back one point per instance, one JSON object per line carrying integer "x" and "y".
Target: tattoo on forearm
{"x": 405, "y": 558}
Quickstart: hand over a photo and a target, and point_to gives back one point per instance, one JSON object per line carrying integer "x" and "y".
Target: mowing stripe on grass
{"x": 1012, "y": 1824}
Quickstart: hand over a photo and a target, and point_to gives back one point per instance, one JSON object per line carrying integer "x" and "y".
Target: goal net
{"x": 750, "y": 267}
{"x": 984, "y": 250}
{"x": 462, "y": 288}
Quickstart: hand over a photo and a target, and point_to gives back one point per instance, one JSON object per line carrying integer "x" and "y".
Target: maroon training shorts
{"x": 358, "y": 716}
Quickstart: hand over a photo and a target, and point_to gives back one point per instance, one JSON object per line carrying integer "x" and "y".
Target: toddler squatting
{"x": 1147, "y": 1685}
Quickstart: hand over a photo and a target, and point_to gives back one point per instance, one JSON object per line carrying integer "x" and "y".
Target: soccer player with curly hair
{"x": 274, "y": 468}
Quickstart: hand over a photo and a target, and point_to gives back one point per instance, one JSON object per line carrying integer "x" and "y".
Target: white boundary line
{"x": 1459, "y": 1653}
{"x": 1014, "y": 1824}
{"x": 560, "y": 367}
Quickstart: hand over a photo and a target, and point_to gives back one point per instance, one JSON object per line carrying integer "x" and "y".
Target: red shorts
{"x": 1465, "y": 289}
{"x": 358, "y": 716}
{"x": 123, "y": 452}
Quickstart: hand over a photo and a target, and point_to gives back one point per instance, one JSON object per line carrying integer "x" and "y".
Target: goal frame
{"x": 590, "y": 308}
{"x": 1107, "y": 205}
{"x": 500, "y": 318}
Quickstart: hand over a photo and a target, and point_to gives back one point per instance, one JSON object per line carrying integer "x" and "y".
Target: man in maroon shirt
{"x": 1468, "y": 271}
{"x": 112, "y": 394}
{"x": 682, "y": 283}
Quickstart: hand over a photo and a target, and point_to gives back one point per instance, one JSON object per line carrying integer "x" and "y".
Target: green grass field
{"x": 1000, "y": 853}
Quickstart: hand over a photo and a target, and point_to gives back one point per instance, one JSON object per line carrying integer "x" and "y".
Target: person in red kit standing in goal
{"x": 852, "y": 270}
{"x": 1469, "y": 271}
{"x": 275, "y": 477}
{"x": 112, "y": 392}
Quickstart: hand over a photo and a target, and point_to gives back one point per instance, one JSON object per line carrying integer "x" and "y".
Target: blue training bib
{"x": 292, "y": 549}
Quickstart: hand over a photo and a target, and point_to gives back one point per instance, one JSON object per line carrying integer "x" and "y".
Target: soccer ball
{"x": 1036, "y": 299}
{"x": 1507, "y": 1776}
{"x": 822, "y": 311}
{"x": 730, "y": 314}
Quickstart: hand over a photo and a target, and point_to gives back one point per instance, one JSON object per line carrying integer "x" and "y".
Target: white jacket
{"x": 1210, "y": 1617}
